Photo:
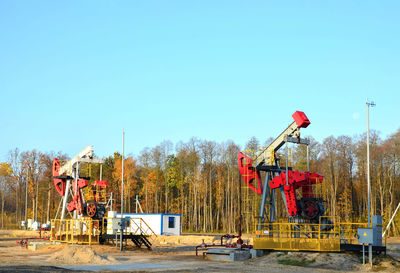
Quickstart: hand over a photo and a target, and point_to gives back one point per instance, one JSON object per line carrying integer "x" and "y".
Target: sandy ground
{"x": 176, "y": 254}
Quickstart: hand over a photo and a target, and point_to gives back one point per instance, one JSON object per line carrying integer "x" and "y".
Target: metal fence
{"x": 75, "y": 231}
{"x": 324, "y": 236}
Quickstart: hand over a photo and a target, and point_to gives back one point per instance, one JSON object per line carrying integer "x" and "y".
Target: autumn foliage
{"x": 200, "y": 180}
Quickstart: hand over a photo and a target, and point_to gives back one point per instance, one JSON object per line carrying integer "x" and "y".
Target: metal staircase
{"x": 141, "y": 232}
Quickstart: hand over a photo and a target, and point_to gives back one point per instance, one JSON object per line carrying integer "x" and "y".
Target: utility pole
{"x": 372, "y": 104}
{"x": 26, "y": 204}
{"x": 122, "y": 193}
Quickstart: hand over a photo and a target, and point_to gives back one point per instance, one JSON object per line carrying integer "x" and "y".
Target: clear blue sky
{"x": 74, "y": 73}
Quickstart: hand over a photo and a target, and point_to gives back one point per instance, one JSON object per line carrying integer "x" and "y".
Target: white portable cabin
{"x": 160, "y": 223}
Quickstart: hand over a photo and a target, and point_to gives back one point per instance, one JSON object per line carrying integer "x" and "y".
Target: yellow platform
{"x": 305, "y": 236}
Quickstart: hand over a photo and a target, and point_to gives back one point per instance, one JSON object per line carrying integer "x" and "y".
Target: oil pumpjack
{"x": 287, "y": 181}
{"x": 88, "y": 205}
{"x": 73, "y": 200}
{"x": 308, "y": 209}
{"x": 306, "y": 227}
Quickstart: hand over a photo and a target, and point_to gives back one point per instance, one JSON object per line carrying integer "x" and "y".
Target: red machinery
{"x": 308, "y": 207}
{"x": 287, "y": 180}
{"x": 67, "y": 175}
{"x": 97, "y": 199}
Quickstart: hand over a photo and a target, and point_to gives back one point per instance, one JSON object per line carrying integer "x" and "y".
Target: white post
{"x": 369, "y": 180}
{"x": 308, "y": 159}
{"x": 122, "y": 173}
{"x": 122, "y": 190}
{"x": 112, "y": 200}
{"x": 136, "y": 201}
{"x": 65, "y": 197}
{"x": 76, "y": 188}
{"x": 368, "y": 165}
{"x": 368, "y": 177}
{"x": 363, "y": 254}
{"x": 37, "y": 200}
{"x": 26, "y": 204}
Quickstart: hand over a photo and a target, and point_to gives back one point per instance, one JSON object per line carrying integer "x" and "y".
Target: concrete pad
{"x": 120, "y": 267}
{"x": 240, "y": 255}
{"x": 256, "y": 253}
{"x": 395, "y": 247}
{"x": 228, "y": 254}
{"x": 219, "y": 254}
{"x": 37, "y": 245}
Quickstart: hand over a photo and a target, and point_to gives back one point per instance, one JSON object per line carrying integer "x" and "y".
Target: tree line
{"x": 200, "y": 180}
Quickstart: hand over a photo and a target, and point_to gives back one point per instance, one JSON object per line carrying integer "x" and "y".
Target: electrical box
{"x": 377, "y": 227}
{"x": 370, "y": 236}
{"x": 376, "y": 220}
{"x": 116, "y": 223}
{"x": 365, "y": 236}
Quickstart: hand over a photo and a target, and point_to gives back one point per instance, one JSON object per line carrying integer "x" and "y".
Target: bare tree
{"x": 5, "y": 172}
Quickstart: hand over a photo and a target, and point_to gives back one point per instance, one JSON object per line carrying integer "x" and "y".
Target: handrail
{"x": 75, "y": 231}
{"x": 139, "y": 227}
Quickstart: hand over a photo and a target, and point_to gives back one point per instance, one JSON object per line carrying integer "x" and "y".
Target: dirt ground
{"x": 176, "y": 254}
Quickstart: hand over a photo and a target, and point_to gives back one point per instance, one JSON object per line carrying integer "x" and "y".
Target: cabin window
{"x": 171, "y": 222}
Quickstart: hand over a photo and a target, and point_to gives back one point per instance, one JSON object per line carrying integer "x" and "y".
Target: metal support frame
{"x": 268, "y": 198}
{"x": 391, "y": 219}
{"x": 64, "y": 199}
{"x": 282, "y": 190}
{"x": 265, "y": 194}
{"x": 268, "y": 194}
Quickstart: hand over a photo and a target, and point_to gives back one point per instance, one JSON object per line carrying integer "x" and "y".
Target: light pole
{"x": 372, "y": 104}
{"x": 122, "y": 192}
{"x": 26, "y": 204}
